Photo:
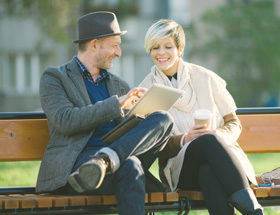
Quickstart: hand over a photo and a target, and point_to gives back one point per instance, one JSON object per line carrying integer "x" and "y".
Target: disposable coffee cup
{"x": 202, "y": 117}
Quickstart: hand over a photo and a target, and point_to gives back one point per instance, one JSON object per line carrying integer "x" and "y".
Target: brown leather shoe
{"x": 90, "y": 175}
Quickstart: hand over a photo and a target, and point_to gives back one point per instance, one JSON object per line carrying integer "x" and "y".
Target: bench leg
{"x": 184, "y": 206}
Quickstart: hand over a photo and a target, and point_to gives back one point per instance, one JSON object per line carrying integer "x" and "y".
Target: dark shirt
{"x": 173, "y": 76}
{"x": 97, "y": 91}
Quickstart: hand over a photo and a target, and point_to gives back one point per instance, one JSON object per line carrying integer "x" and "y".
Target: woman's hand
{"x": 128, "y": 101}
{"x": 197, "y": 131}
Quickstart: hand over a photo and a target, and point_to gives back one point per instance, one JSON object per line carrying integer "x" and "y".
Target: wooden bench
{"x": 24, "y": 136}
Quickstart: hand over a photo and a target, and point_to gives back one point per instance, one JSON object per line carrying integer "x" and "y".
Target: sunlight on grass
{"x": 19, "y": 173}
{"x": 264, "y": 162}
{"x": 267, "y": 211}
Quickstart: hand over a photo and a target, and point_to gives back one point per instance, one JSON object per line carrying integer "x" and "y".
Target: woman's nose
{"x": 161, "y": 51}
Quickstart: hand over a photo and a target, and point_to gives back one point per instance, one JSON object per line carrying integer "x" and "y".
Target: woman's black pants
{"x": 211, "y": 167}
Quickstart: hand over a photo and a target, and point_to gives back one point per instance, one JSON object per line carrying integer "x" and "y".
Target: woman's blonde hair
{"x": 164, "y": 28}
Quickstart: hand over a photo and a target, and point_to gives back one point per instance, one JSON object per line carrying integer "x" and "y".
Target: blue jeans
{"x": 137, "y": 150}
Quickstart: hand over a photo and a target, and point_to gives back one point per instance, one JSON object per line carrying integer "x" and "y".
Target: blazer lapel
{"x": 75, "y": 75}
{"x": 114, "y": 86}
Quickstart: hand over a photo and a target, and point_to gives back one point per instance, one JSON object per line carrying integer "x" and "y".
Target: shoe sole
{"x": 73, "y": 181}
{"x": 91, "y": 175}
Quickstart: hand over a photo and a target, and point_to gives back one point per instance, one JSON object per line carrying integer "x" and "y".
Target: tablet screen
{"x": 158, "y": 97}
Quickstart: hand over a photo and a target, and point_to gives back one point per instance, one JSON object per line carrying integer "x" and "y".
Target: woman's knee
{"x": 208, "y": 138}
{"x": 204, "y": 170}
{"x": 207, "y": 141}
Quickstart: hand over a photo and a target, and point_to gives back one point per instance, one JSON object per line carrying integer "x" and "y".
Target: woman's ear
{"x": 181, "y": 51}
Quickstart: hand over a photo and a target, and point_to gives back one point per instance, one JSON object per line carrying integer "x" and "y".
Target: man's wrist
{"x": 121, "y": 101}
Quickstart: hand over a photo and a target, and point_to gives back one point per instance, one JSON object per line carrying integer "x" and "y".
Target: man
{"x": 82, "y": 102}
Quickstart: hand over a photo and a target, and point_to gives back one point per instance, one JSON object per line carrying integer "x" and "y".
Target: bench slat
{"x": 172, "y": 197}
{"x": 192, "y": 195}
{"x": 262, "y": 191}
{"x": 93, "y": 200}
{"x": 60, "y": 201}
{"x": 24, "y": 202}
{"x": 275, "y": 191}
{"x": 77, "y": 200}
{"x": 156, "y": 197}
{"x": 10, "y": 202}
{"x": 43, "y": 201}
{"x": 1, "y": 203}
{"x": 109, "y": 200}
{"x": 23, "y": 139}
{"x": 260, "y": 133}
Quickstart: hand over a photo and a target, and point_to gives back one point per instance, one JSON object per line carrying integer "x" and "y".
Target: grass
{"x": 18, "y": 173}
{"x": 264, "y": 162}
{"x": 267, "y": 211}
{"x": 25, "y": 174}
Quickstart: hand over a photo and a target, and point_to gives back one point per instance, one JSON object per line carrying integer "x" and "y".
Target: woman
{"x": 197, "y": 157}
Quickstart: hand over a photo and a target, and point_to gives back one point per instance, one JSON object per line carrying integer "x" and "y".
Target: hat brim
{"x": 99, "y": 36}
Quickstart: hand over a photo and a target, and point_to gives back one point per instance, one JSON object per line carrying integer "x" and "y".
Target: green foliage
{"x": 54, "y": 18}
{"x": 244, "y": 41}
{"x": 121, "y": 8}
{"x": 57, "y": 19}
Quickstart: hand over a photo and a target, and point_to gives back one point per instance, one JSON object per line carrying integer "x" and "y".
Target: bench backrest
{"x": 26, "y": 139}
{"x": 23, "y": 139}
{"x": 260, "y": 133}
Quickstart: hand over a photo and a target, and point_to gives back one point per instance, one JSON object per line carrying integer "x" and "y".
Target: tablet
{"x": 158, "y": 97}
{"x": 121, "y": 129}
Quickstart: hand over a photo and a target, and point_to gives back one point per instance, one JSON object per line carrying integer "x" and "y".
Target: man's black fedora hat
{"x": 97, "y": 25}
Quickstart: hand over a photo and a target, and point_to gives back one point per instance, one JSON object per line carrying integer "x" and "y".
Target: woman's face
{"x": 166, "y": 55}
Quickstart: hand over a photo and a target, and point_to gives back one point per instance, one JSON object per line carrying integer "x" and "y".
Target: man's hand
{"x": 197, "y": 131}
{"x": 128, "y": 101}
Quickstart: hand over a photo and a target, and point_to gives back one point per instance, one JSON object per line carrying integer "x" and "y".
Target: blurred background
{"x": 237, "y": 39}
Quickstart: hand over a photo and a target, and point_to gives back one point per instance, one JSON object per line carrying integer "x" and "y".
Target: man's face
{"x": 107, "y": 49}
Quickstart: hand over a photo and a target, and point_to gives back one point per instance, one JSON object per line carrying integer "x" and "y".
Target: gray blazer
{"x": 72, "y": 119}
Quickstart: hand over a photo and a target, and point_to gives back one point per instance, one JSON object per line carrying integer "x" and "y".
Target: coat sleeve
{"x": 170, "y": 150}
{"x": 222, "y": 97}
{"x": 230, "y": 131}
{"x": 65, "y": 116}
{"x": 172, "y": 147}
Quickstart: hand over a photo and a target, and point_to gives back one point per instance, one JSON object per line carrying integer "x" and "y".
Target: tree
{"x": 244, "y": 41}
{"x": 54, "y": 18}
{"x": 57, "y": 19}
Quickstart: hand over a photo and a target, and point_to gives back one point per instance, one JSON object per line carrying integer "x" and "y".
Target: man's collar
{"x": 86, "y": 74}
{"x": 80, "y": 64}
